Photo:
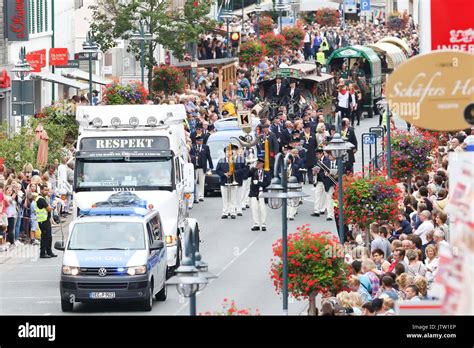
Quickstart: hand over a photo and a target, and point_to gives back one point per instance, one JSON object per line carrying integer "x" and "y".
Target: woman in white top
{"x": 431, "y": 263}
{"x": 321, "y": 134}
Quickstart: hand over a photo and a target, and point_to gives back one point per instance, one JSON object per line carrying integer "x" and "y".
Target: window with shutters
{"x": 32, "y": 17}
{"x": 40, "y": 15}
{"x": 46, "y": 24}
{"x": 37, "y": 17}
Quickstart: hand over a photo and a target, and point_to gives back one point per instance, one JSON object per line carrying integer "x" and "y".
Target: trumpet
{"x": 327, "y": 172}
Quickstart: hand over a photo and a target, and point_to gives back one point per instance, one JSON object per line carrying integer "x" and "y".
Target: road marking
{"x": 26, "y": 297}
{"x": 223, "y": 269}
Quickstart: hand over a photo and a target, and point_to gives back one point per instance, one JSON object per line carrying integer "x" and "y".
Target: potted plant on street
{"x": 230, "y": 308}
{"x": 315, "y": 265}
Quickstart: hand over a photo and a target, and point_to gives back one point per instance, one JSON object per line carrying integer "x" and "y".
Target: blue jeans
{"x": 18, "y": 224}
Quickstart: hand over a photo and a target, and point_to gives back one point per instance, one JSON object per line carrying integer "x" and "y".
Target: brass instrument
{"x": 327, "y": 172}
{"x": 230, "y": 157}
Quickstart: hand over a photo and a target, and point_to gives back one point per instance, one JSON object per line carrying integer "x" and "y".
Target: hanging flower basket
{"x": 252, "y": 53}
{"x": 265, "y": 25}
{"x": 294, "y": 37}
{"x": 327, "y": 17}
{"x": 275, "y": 43}
{"x": 118, "y": 94}
{"x": 168, "y": 79}
{"x": 370, "y": 199}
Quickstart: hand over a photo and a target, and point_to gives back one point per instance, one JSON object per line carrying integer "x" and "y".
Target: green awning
{"x": 358, "y": 51}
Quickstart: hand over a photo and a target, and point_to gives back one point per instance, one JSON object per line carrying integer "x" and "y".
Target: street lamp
{"x": 279, "y": 195}
{"x": 22, "y": 69}
{"x": 280, "y": 7}
{"x": 227, "y": 15}
{"x": 142, "y": 36}
{"x": 258, "y": 10}
{"x": 193, "y": 275}
{"x": 338, "y": 147}
{"x": 91, "y": 47}
{"x": 295, "y": 4}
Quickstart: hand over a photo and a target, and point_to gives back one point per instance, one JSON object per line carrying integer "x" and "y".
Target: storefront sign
{"x": 58, "y": 56}
{"x": 34, "y": 59}
{"x": 434, "y": 91}
{"x": 71, "y": 64}
{"x": 17, "y": 20}
{"x": 446, "y": 25}
{"x": 42, "y": 54}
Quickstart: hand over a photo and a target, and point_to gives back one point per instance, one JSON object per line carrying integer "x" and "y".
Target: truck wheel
{"x": 67, "y": 306}
{"x": 170, "y": 271}
{"x": 147, "y": 304}
{"x": 161, "y": 296}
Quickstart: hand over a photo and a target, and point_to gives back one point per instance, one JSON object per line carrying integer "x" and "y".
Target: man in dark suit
{"x": 277, "y": 91}
{"x": 310, "y": 144}
{"x": 260, "y": 180}
{"x": 348, "y": 133}
{"x": 275, "y": 128}
{"x": 329, "y": 186}
{"x": 286, "y": 134}
{"x": 200, "y": 157}
{"x": 292, "y": 98}
{"x": 273, "y": 144}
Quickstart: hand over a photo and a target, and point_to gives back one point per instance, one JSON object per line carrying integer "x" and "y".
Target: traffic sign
{"x": 365, "y": 5}
{"x": 244, "y": 119}
{"x": 85, "y": 56}
{"x": 368, "y": 139}
{"x": 71, "y": 64}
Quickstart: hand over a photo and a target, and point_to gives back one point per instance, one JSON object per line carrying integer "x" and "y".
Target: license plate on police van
{"x": 102, "y": 295}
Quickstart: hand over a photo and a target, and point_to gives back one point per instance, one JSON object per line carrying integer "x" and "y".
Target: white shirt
{"x": 283, "y": 65}
{"x": 343, "y": 100}
{"x": 423, "y": 229}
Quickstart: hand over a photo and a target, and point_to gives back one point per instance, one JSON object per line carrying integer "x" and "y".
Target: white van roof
{"x": 164, "y": 114}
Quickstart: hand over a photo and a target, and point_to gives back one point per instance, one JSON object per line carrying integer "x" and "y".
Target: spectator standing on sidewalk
{"x": 43, "y": 215}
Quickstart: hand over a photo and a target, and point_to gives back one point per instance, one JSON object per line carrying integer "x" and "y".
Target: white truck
{"x": 138, "y": 148}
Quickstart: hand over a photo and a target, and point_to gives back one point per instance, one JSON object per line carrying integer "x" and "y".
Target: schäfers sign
{"x": 434, "y": 91}
{"x": 17, "y": 20}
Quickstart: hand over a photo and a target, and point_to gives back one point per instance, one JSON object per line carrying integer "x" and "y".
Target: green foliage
{"x": 294, "y": 37}
{"x": 327, "y": 17}
{"x": 252, "y": 53}
{"x": 17, "y": 149}
{"x": 172, "y": 28}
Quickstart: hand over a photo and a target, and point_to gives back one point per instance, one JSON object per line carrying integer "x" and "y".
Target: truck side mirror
{"x": 188, "y": 172}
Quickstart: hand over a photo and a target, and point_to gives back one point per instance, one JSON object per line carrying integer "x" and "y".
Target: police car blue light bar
{"x": 107, "y": 211}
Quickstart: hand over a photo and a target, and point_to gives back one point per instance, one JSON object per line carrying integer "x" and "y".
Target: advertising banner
{"x": 58, "y": 56}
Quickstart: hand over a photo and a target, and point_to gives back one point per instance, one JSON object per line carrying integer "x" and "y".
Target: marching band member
{"x": 200, "y": 157}
{"x": 241, "y": 176}
{"x": 268, "y": 143}
{"x": 319, "y": 192}
{"x": 329, "y": 185}
{"x": 250, "y": 162}
{"x": 260, "y": 180}
{"x": 226, "y": 169}
{"x": 310, "y": 144}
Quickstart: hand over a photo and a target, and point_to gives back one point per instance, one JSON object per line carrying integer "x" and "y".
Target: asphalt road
{"x": 238, "y": 256}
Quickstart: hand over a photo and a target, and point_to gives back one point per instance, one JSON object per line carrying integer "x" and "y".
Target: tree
{"x": 315, "y": 265}
{"x": 172, "y": 28}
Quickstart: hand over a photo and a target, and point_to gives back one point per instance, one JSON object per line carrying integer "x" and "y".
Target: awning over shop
{"x": 358, "y": 51}
{"x": 393, "y": 54}
{"x": 398, "y": 42}
{"x": 82, "y": 75}
{"x": 50, "y": 77}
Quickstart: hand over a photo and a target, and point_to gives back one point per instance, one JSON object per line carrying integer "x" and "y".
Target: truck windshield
{"x": 107, "y": 236}
{"x": 137, "y": 173}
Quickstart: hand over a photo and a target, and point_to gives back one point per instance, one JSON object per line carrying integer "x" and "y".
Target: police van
{"x": 114, "y": 252}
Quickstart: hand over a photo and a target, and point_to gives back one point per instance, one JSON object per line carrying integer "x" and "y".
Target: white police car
{"x": 114, "y": 254}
